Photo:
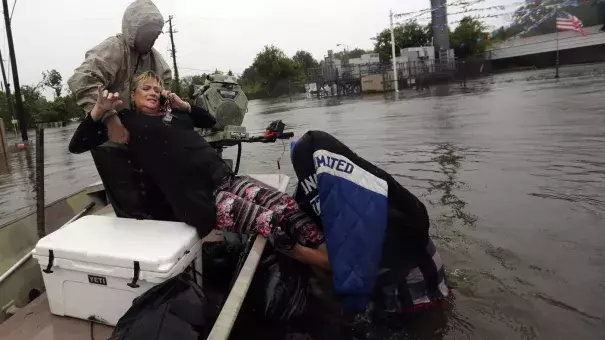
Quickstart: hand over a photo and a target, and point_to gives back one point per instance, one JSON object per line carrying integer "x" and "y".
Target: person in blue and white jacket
{"x": 377, "y": 233}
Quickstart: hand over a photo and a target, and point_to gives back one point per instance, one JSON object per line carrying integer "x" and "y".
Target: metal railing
{"x": 331, "y": 72}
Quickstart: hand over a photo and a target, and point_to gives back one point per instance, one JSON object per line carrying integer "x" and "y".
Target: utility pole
{"x": 177, "y": 83}
{"x": 394, "y": 56}
{"x": 11, "y": 49}
{"x": 7, "y": 88}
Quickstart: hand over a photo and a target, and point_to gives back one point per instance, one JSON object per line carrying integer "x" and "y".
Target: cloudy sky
{"x": 55, "y": 34}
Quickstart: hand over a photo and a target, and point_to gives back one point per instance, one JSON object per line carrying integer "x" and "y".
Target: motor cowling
{"x": 223, "y": 98}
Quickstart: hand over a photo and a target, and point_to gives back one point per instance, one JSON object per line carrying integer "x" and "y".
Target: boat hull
{"x": 35, "y": 321}
{"x": 19, "y": 236}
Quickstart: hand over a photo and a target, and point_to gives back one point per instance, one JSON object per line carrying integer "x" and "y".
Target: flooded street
{"x": 512, "y": 170}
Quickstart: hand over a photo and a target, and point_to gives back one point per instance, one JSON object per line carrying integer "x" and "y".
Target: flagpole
{"x": 557, "y": 28}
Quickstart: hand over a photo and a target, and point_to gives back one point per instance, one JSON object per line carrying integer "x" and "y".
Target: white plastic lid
{"x": 112, "y": 241}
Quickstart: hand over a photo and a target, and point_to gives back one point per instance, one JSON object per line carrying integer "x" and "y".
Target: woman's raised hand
{"x": 108, "y": 101}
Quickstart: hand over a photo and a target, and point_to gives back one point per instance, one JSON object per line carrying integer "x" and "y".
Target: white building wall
{"x": 369, "y": 58}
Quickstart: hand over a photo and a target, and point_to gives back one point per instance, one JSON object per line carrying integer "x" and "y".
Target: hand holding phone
{"x": 176, "y": 103}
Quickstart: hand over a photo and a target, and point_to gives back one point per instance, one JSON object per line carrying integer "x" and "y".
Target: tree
{"x": 305, "y": 61}
{"x": 270, "y": 73}
{"x": 35, "y": 105}
{"x": 410, "y": 34}
{"x": 428, "y": 30}
{"x": 187, "y": 81}
{"x": 469, "y": 38}
{"x": 4, "y": 111}
{"x": 72, "y": 107}
{"x": 53, "y": 79}
{"x": 251, "y": 82}
{"x": 357, "y": 53}
{"x": 354, "y": 53}
{"x": 58, "y": 111}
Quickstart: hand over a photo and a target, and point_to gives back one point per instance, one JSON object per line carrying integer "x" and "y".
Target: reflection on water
{"x": 449, "y": 158}
{"x": 65, "y": 173}
{"x": 511, "y": 169}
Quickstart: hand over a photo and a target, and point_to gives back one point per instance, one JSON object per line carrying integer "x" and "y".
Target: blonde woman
{"x": 198, "y": 185}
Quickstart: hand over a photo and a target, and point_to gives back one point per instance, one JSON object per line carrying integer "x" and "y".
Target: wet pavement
{"x": 511, "y": 168}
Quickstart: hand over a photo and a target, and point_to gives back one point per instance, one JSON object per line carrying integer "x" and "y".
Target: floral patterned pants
{"x": 243, "y": 207}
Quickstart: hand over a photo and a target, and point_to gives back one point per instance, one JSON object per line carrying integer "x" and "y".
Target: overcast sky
{"x": 55, "y": 34}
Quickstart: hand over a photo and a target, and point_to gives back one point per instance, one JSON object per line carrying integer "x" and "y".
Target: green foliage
{"x": 270, "y": 74}
{"x": 252, "y": 83}
{"x": 468, "y": 39}
{"x": 4, "y": 111}
{"x": 305, "y": 61}
{"x": 73, "y": 110}
{"x": 187, "y": 81}
{"x": 52, "y": 78}
{"x": 410, "y": 34}
{"x": 354, "y": 53}
{"x": 37, "y": 109}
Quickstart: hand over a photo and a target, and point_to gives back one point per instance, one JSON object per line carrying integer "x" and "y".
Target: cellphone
{"x": 163, "y": 100}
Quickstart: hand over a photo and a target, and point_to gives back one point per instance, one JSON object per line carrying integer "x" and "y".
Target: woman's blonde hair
{"x": 145, "y": 76}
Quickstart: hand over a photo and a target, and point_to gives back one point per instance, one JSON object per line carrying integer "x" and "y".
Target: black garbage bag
{"x": 280, "y": 287}
{"x": 175, "y": 309}
{"x": 220, "y": 261}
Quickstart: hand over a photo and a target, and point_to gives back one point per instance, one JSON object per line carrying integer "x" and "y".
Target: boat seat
{"x": 128, "y": 189}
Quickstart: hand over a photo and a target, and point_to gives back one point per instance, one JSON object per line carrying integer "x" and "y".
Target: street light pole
{"x": 393, "y": 50}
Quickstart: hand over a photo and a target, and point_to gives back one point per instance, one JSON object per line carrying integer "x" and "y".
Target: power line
{"x": 13, "y": 10}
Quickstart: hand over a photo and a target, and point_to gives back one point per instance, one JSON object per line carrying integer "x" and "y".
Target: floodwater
{"x": 511, "y": 168}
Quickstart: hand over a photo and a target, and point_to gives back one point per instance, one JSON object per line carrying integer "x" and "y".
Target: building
{"x": 368, "y": 74}
{"x": 417, "y": 53}
{"x": 369, "y": 58}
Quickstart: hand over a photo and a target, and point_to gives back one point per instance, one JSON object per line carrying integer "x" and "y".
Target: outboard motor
{"x": 226, "y": 101}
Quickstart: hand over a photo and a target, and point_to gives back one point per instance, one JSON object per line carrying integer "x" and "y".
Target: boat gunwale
{"x": 46, "y": 206}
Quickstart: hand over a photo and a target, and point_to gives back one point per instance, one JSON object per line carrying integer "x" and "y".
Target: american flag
{"x": 568, "y": 22}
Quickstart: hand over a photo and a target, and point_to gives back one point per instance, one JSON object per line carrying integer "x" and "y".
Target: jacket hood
{"x": 140, "y": 13}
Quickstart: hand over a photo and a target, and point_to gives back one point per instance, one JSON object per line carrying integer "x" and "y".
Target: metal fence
{"x": 455, "y": 68}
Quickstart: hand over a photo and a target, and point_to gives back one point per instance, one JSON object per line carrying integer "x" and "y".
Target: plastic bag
{"x": 220, "y": 260}
{"x": 281, "y": 287}
{"x": 175, "y": 309}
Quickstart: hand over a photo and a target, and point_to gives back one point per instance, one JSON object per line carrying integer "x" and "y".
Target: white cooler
{"x": 96, "y": 266}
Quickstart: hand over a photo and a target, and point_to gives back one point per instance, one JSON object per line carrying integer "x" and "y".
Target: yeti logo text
{"x": 98, "y": 280}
